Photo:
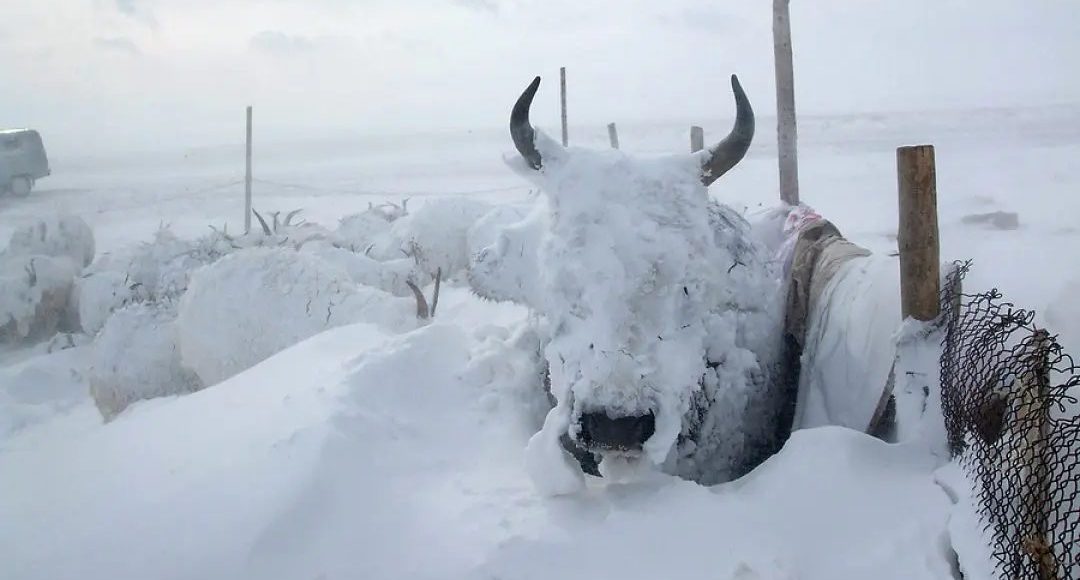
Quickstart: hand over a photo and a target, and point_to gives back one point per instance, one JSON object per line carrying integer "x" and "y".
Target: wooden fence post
{"x": 787, "y": 136}
{"x": 917, "y": 237}
{"x": 1033, "y": 418}
{"x": 697, "y": 139}
{"x": 562, "y": 93}
{"x": 613, "y": 135}
{"x": 247, "y": 176}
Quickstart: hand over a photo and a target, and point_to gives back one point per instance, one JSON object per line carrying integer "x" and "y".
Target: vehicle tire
{"x": 20, "y": 186}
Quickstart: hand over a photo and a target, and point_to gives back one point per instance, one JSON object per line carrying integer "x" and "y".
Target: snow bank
{"x": 342, "y": 457}
{"x": 253, "y": 303}
{"x": 135, "y": 358}
{"x": 34, "y": 295}
{"x": 41, "y": 387}
{"x": 60, "y": 236}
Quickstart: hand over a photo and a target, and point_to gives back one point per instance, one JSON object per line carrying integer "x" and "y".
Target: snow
{"x": 58, "y": 236}
{"x": 255, "y": 302}
{"x": 34, "y": 295}
{"x": 341, "y": 456}
{"x": 850, "y": 344}
{"x": 136, "y": 358}
{"x": 645, "y": 281}
{"x": 385, "y": 452}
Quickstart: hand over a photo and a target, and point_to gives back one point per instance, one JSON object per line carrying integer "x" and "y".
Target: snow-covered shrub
{"x": 34, "y": 295}
{"x": 136, "y": 358}
{"x": 58, "y": 236}
{"x": 255, "y": 302}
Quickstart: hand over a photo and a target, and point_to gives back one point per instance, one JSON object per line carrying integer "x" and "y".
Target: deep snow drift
{"x": 343, "y": 457}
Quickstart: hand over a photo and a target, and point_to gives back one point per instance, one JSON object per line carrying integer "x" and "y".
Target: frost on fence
{"x": 1009, "y": 399}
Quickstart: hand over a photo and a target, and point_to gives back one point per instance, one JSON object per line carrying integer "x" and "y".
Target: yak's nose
{"x": 598, "y": 430}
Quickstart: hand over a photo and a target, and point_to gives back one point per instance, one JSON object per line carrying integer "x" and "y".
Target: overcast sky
{"x": 115, "y": 74}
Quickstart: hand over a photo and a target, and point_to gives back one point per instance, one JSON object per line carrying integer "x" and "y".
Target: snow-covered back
{"x": 56, "y": 235}
{"x": 255, "y": 302}
{"x": 135, "y": 357}
{"x": 34, "y": 295}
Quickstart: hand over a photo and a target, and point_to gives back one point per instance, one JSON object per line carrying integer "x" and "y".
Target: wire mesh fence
{"x": 1009, "y": 399}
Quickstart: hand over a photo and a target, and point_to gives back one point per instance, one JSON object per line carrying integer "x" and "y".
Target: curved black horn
{"x": 727, "y": 153}
{"x": 520, "y": 129}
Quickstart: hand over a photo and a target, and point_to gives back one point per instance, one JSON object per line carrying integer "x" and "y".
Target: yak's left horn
{"x": 729, "y": 152}
{"x": 520, "y": 128}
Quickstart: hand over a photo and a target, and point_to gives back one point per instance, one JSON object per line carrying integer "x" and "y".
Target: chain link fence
{"x": 1009, "y": 398}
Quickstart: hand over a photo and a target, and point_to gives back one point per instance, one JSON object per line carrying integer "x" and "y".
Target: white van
{"x": 22, "y": 160}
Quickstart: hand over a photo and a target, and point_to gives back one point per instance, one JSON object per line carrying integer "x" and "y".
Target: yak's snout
{"x": 600, "y": 431}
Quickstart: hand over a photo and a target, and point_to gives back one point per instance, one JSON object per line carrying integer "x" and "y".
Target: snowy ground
{"x": 358, "y": 453}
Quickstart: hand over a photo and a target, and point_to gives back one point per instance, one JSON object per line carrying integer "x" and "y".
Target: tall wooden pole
{"x": 785, "y": 103}
{"x": 917, "y": 236}
{"x": 697, "y": 139}
{"x": 247, "y": 177}
{"x": 613, "y": 135}
{"x": 562, "y": 91}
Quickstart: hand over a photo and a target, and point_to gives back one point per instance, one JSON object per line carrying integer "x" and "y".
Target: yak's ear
{"x": 508, "y": 270}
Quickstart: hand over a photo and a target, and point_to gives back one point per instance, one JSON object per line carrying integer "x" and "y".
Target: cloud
{"x": 278, "y": 43}
{"x": 138, "y": 11}
{"x": 480, "y": 5}
{"x": 117, "y": 44}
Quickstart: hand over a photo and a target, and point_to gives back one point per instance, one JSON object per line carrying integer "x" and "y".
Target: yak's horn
{"x": 520, "y": 128}
{"x": 727, "y": 153}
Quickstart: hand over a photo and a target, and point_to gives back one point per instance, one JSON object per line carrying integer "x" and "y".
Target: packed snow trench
{"x": 269, "y": 406}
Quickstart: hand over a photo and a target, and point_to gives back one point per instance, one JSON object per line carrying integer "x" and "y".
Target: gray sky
{"x": 117, "y": 74}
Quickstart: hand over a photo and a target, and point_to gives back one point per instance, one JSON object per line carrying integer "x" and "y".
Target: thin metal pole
{"x": 562, "y": 87}
{"x": 247, "y": 177}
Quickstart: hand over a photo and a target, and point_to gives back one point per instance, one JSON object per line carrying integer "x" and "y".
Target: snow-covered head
{"x": 638, "y": 283}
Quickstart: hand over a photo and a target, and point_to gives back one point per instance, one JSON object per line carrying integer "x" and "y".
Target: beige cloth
{"x": 819, "y": 253}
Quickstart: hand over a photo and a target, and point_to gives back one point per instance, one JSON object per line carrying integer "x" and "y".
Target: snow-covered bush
{"x": 57, "y": 236}
{"x": 256, "y": 302}
{"x": 34, "y": 295}
{"x": 136, "y": 358}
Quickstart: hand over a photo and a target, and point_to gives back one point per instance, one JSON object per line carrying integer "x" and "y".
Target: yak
{"x": 664, "y": 312}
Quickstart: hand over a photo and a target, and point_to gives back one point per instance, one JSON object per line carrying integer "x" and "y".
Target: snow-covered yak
{"x": 663, "y": 311}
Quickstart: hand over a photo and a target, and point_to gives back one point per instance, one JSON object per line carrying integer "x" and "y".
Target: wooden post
{"x": 613, "y": 135}
{"x": 1033, "y": 418}
{"x": 917, "y": 237}
{"x": 697, "y": 139}
{"x": 787, "y": 135}
{"x": 562, "y": 92}
{"x": 247, "y": 177}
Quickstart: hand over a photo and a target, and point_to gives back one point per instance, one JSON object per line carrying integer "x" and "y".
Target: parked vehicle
{"x": 22, "y": 160}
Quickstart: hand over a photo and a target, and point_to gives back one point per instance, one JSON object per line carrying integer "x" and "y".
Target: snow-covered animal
{"x": 663, "y": 312}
